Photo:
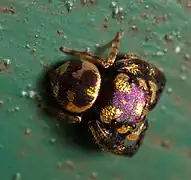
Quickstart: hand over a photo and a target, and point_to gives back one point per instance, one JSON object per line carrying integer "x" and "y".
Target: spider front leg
{"x": 112, "y": 141}
{"x": 95, "y": 59}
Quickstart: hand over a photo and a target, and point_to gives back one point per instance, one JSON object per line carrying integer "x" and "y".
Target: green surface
{"x": 30, "y": 40}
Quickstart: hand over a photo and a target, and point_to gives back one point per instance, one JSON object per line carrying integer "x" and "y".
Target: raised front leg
{"x": 114, "y": 142}
{"x": 95, "y": 59}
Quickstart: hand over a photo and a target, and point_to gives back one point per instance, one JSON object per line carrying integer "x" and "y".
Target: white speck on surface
{"x": 32, "y": 94}
{"x": 147, "y": 6}
{"x": 88, "y": 49}
{"x": 17, "y": 176}
{"x": 27, "y": 131}
{"x": 27, "y": 46}
{"x": 1, "y": 103}
{"x": 113, "y": 4}
{"x": 177, "y": 49}
{"x": 93, "y": 175}
{"x": 24, "y": 93}
{"x": 17, "y": 108}
{"x": 169, "y": 90}
{"x": 186, "y": 56}
{"x": 7, "y": 61}
{"x": 183, "y": 68}
{"x": 29, "y": 85}
{"x": 183, "y": 77}
{"x": 160, "y": 53}
{"x": 52, "y": 140}
{"x": 163, "y": 108}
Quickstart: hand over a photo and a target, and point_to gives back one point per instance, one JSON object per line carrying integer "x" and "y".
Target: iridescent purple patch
{"x": 128, "y": 102}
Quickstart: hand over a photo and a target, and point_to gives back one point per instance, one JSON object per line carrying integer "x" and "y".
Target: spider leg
{"x": 114, "y": 48}
{"x": 95, "y": 59}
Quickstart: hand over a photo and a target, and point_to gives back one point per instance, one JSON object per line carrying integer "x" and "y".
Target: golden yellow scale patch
{"x": 143, "y": 83}
{"x": 135, "y": 135}
{"x": 109, "y": 113}
{"x": 63, "y": 68}
{"x": 121, "y": 83}
{"x": 55, "y": 90}
{"x": 93, "y": 91}
{"x": 153, "y": 89}
{"x": 71, "y": 106}
{"x": 151, "y": 72}
{"x": 124, "y": 129}
{"x": 133, "y": 69}
{"x": 139, "y": 108}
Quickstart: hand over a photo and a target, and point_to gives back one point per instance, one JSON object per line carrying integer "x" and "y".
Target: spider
{"x": 122, "y": 89}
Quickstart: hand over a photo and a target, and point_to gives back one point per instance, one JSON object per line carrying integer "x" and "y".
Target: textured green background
{"x": 30, "y": 40}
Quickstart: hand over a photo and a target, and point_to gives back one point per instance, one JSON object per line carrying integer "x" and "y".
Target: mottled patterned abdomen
{"x": 124, "y": 101}
{"x": 76, "y": 85}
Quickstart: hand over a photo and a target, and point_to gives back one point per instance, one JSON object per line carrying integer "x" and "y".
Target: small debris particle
{"x": 32, "y": 94}
{"x": 27, "y": 131}
{"x": 27, "y": 46}
{"x": 17, "y": 176}
{"x": 166, "y": 143}
{"x": 7, "y": 62}
{"x": 134, "y": 27}
{"x": 69, "y": 5}
{"x": 163, "y": 108}
{"x": 93, "y": 176}
{"x": 117, "y": 12}
{"x": 147, "y": 6}
{"x": 52, "y": 140}
{"x": 186, "y": 57}
{"x": 70, "y": 165}
{"x": 32, "y": 51}
{"x": 160, "y": 53}
{"x": 165, "y": 50}
{"x": 177, "y": 49}
{"x": 105, "y": 24}
{"x": 183, "y": 68}
{"x": 59, "y": 32}
{"x": 113, "y": 4}
{"x": 168, "y": 37}
{"x": 6, "y": 9}
{"x": 5, "y": 65}
{"x": 169, "y": 90}
{"x": 97, "y": 45}
{"x": 29, "y": 85}
{"x": 183, "y": 77}
{"x": 24, "y": 93}
{"x": 144, "y": 16}
{"x": 17, "y": 108}
{"x": 1, "y": 103}
{"x": 87, "y": 49}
